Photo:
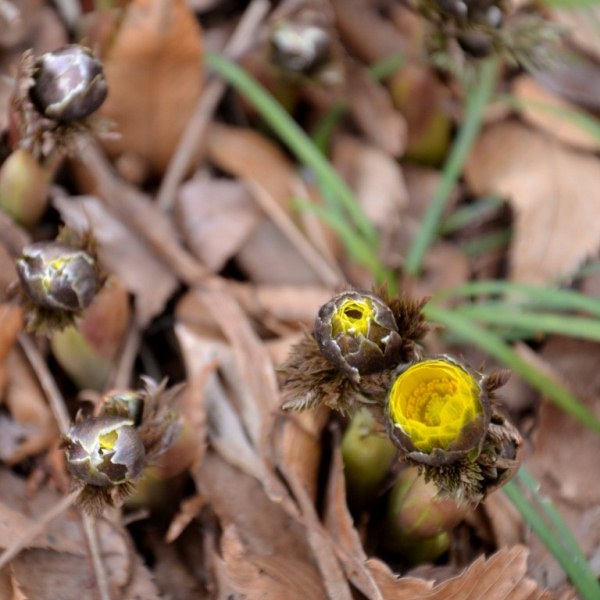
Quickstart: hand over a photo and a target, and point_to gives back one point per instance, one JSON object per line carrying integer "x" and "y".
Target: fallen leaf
{"x": 378, "y": 183}
{"x": 553, "y": 191}
{"x": 560, "y": 447}
{"x": 216, "y": 217}
{"x": 339, "y": 523}
{"x": 581, "y": 24}
{"x": 503, "y": 576}
{"x": 154, "y": 73}
{"x": 354, "y": 17}
{"x": 123, "y": 253}
{"x": 373, "y": 110}
{"x": 28, "y": 408}
{"x": 266, "y": 577}
{"x": 269, "y": 255}
{"x": 541, "y": 109}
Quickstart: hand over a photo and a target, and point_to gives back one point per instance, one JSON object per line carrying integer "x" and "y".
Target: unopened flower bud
{"x": 438, "y": 412}
{"x": 69, "y": 84}
{"x": 357, "y": 333}
{"x": 300, "y": 47}
{"x": 104, "y": 451}
{"x": 58, "y": 277}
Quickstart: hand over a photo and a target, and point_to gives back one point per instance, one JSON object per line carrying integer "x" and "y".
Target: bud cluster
{"x": 439, "y": 414}
{"x": 107, "y": 453}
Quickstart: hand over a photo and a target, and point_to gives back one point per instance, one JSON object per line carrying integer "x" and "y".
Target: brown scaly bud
{"x": 359, "y": 339}
{"x": 59, "y": 282}
{"x": 357, "y": 333}
{"x": 104, "y": 451}
{"x": 106, "y": 454}
{"x": 299, "y": 47}
{"x": 69, "y": 84}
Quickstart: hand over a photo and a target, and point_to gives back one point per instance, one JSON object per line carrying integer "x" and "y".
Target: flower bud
{"x": 438, "y": 413}
{"x": 104, "y": 451}
{"x": 300, "y": 47}
{"x": 69, "y": 84}
{"x": 58, "y": 277}
{"x": 357, "y": 333}
{"x": 418, "y": 521}
{"x": 368, "y": 457}
{"x": 24, "y": 187}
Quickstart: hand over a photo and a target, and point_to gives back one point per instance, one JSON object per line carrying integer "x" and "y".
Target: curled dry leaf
{"x": 541, "y": 109}
{"x": 553, "y": 191}
{"x": 122, "y": 252}
{"x": 154, "y": 73}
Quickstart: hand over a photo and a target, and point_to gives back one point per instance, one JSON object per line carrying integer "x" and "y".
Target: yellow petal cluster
{"x": 433, "y": 401}
{"x": 352, "y": 316}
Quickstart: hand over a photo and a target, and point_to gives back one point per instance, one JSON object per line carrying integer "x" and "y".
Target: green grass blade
{"x": 530, "y": 295}
{"x": 467, "y": 214}
{"x": 294, "y": 137}
{"x": 477, "y": 100}
{"x": 547, "y": 524}
{"x": 503, "y": 315}
{"x": 496, "y": 347}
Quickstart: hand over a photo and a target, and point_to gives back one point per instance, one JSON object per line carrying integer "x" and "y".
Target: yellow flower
{"x": 436, "y": 404}
{"x": 352, "y": 316}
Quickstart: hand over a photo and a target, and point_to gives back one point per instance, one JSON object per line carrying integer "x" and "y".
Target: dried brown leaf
{"x": 554, "y": 192}
{"x": 539, "y": 110}
{"x": 154, "y": 73}
{"x": 354, "y": 17}
{"x": 338, "y": 522}
{"x": 28, "y": 408}
{"x": 266, "y": 577}
{"x": 560, "y": 446}
{"x": 122, "y": 252}
{"x": 503, "y": 576}
{"x": 271, "y": 254}
{"x": 216, "y": 217}
{"x": 372, "y": 108}
{"x": 286, "y": 303}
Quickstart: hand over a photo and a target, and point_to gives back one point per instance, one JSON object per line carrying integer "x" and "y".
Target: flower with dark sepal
{"x": 58, "y": 281}
{"x": 104, "y": 451}
{"x": 442, "y": 417}
{"x": 437, "y": 412}
{"x": 357, "y": 333}
{"x": 68, "y": 84}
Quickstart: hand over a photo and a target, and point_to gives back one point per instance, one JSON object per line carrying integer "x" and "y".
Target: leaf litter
{"x": 251, "y": 503}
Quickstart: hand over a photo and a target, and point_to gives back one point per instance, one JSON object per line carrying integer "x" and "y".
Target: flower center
{"x": 432, "y": 402}
{"x": 353, "y": 316}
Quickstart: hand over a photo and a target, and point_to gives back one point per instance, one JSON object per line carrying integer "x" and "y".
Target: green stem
{"x": 477, "y": 100}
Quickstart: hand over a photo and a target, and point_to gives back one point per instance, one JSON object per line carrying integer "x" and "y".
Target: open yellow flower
{"x": 437, "y": 408}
